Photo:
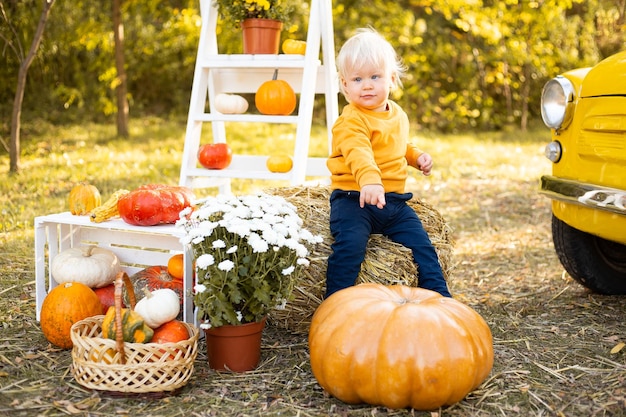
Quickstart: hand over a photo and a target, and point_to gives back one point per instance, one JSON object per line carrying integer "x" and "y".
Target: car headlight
{"x": 557, "y": 102}
{"x": 554, "y": 151}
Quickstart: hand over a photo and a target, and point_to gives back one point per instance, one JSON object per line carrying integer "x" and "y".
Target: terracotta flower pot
{"x": 234, "y": 348}
{"x": 261, "y": 36}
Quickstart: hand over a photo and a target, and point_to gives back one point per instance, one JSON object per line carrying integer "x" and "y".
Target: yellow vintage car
{"x": 586, "y": 112}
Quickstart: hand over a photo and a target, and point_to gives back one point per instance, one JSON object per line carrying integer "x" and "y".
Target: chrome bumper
{"x": 588, "y": 195}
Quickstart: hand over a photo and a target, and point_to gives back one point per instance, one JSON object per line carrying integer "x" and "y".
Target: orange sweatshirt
{"x": 371, "y": 148}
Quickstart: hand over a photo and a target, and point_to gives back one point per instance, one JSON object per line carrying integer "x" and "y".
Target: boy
{"x": 368, "y": 164}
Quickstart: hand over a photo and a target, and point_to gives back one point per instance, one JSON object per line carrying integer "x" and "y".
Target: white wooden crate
{"x": 137, "y": 247}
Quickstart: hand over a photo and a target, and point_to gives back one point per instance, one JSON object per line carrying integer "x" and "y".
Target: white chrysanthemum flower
{"x": 303, "y": 262}
{"x": 257, "y": 243}
{"x": 232, "y": 249}
{"x": 205, "y": 325}
{"x": 239, "y": 228}
{"x": 239, "y": 316}
{"x": 288, "y": 271}
{"x": 271, "y": 237}
{"x": 204, "y": 261}
{"x": 301, "y": 251}
{"x": 226, "y": 265}
{"x": 218, "y": 244}
{"x": 199, "y": 288}
{"x": 281, "y": 229}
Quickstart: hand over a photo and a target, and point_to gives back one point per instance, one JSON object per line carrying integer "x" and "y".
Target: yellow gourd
{"x": 108, "y": 209}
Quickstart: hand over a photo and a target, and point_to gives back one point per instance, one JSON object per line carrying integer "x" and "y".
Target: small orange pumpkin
{"x": 294, "y": 46}
{"x": 279, "y": 163}
{"x": 66, "y": 304}
{"x": 176, "y": 266}
{"x": 84, "y": 197}
{"x": 275, "y": 97}
{"x": 172, "y": 331}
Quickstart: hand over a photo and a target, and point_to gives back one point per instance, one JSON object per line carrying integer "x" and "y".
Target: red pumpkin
{"x": 107, "y": 297}
{"x": 215, "y": 155}
{"x": 154, "y": 278}
{"x": 399, "y": 347}
{"x": 154, "y": 204}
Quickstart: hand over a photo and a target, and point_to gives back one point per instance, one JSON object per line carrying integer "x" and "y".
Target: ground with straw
{"x": 556, "y": 345}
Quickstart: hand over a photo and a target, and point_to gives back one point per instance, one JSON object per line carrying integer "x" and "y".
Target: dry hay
{"x": 385, "y": 262}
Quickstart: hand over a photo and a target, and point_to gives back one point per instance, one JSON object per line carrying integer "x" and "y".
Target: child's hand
{"x": 373, "y": 194}
{"x": 425, "y": 163}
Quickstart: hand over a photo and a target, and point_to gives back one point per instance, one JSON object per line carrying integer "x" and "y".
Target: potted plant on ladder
{"x": 261, "y": 22}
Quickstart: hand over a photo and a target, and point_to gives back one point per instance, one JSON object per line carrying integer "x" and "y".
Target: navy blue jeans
{"x": 351, "y": 227}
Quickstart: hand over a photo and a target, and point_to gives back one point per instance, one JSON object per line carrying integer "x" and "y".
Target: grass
{"x": 553, "y": 340}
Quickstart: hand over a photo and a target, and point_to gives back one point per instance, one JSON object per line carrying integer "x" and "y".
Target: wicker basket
{"x": 129, "y": 368}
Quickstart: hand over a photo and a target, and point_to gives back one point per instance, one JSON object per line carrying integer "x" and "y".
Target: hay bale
{"x": 385, "y": 262}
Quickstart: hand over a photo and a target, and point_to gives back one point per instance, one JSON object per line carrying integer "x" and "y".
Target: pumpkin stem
{"x": 88, "y": 251}
{"x": 147, "y": 293}
{"x": 275, "y": 76}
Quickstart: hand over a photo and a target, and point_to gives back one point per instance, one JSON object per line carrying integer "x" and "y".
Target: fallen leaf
{"x": 617, "y": 348}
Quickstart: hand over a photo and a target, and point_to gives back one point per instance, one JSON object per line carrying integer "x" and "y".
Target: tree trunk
{"x": 14, "y": 145}
{"x": 121, "y": 89}
{"x": 525, "y": 97}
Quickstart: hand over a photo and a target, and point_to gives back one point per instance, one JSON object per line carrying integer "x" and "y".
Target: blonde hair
{"x": 368, "y": 47}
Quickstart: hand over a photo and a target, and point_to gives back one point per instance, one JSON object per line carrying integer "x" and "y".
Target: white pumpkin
{"x": 230, "y": 104}
{"x": 90, "y": 265}
{"x": 158, "y": 307}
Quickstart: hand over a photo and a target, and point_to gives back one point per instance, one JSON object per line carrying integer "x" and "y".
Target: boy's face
{"x": 368, "y": 86}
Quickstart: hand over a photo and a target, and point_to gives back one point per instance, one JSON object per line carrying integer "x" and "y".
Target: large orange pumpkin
{"x": 66, "y": 304}
{"x": 398, "y": 347}
{"x": 275, "y": 97}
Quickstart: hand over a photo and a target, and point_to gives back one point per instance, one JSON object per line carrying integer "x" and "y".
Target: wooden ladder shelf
{"x": 311, "y": 74}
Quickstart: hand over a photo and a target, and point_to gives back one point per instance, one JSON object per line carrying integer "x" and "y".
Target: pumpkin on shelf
{"x": 275, "y": 97}
{"x": 230, "y": 103}
{"x": 176, "y": 266}
{"x": 90, "y": 265}
{"x": 158, "y": 307}
{"x": 399, "y": 347}
{"x": 65, "y": 305}
{"x": 294, "y": 47}
{"x": 279, "y": 163}
{"x": 84, "y": 197}
{"x": 152, "y": 204}
{"x": 215, "y": 155}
